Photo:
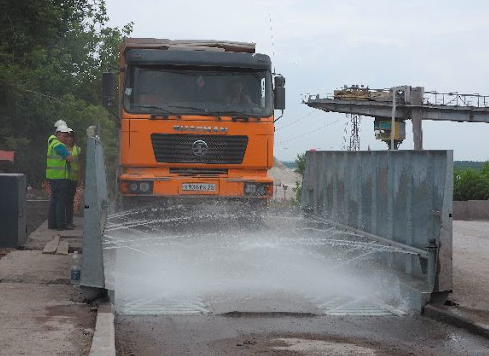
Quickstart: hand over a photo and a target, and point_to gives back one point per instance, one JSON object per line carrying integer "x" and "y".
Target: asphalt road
{"x": 210, "y": 282}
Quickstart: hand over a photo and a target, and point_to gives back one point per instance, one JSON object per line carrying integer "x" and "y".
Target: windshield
{"x": 198, "y": 90}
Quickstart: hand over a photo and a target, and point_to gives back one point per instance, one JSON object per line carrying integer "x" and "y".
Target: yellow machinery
{"x": 382, "y": 129}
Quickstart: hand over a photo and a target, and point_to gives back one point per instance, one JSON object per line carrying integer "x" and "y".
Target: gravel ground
{"x": 471, "y": 266}
{"x": 283, "y": 177}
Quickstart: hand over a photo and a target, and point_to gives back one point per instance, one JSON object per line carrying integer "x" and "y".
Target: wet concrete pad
{"x": 40, "y": 320}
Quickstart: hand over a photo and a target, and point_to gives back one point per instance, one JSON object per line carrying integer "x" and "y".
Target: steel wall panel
{"x": 402, "y": 196}
{"x": 96, "y": 196}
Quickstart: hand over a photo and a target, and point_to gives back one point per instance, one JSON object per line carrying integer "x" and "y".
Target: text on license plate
{"x": 199, "y": 187}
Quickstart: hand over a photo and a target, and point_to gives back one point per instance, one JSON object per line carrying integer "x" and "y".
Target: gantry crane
{"x": 392, "y": 107}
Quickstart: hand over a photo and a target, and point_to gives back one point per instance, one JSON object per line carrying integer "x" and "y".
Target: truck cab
{"x": 196, "y": 120}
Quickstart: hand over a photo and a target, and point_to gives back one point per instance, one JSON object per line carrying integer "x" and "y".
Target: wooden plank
{"x": 52, "y": 245}
{"x": 63, "y": 248}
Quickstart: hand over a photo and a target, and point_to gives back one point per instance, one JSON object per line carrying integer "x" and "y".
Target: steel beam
{"x": 403, "y": 112}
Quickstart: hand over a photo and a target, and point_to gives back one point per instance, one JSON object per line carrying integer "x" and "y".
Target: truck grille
{"x": 201, "y": 172}
{"x": 220, "y": 149}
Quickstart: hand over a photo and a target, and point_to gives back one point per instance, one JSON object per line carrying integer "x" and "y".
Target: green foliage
{"x": 471, "y": 184}
{"x": 52, "y": 56}
{"x": 298, "y": 191}
{"x": 300, "y": 163}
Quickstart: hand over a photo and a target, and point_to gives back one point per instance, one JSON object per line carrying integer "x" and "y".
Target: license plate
{"x": 198, "y": 187}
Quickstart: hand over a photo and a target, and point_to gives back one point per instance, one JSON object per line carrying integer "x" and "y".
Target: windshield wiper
{"x": 187, "y": 107}
{"x": 161, "y": 109}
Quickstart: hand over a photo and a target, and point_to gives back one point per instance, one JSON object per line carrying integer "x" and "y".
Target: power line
{"x": 306, "y": 133}
{"x": 22, "y": 88}
{"x": 61, "y": 101}
{"x": 295, "y": 121}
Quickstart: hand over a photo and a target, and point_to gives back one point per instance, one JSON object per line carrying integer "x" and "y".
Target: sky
{"x": 321, "y": 45}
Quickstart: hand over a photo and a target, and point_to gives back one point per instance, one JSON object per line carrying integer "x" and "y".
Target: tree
{"x": 300, "y": 162}
{"x": 52, "y": 56}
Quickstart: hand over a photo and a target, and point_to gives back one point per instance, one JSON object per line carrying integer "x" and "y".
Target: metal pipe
{"x": 432, "y": 250}
{"x": 408, "y": 249}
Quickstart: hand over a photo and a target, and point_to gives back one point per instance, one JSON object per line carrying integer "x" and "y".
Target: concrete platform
{"x": 41, "y": 313}
{"x": 42, "y": 235}
{"x": 40, "y": 319}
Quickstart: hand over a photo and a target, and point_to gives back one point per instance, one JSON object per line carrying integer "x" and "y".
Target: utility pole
{"x": 417, "y": 117}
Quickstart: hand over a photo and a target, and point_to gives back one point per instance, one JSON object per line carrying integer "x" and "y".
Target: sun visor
{"x": 179, "y": 57}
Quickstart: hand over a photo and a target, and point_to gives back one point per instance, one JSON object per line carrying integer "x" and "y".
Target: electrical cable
{"x": 51, "y": 97}
{"x": 295, "y": 121}
{"x": 306, "y": 133}
{"x": 22, "y": 88}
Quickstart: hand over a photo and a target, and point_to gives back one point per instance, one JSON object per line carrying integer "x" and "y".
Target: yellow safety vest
{"x": 75, "y": 154}
{"x": 55, "y": 164}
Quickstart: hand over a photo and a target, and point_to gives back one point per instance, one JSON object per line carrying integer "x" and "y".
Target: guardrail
{"x": 430, "y": 98}
{"x": 403, "y": 198}
{"x": 456, "y": 99}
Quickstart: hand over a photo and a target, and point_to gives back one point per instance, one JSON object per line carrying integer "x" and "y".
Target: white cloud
{"x": 321, "y": 45}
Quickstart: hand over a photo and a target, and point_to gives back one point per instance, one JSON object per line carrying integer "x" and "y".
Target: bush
{"x": 471, "y": 184}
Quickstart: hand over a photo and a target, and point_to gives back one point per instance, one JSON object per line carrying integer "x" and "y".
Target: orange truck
{"x": 196, "y": 120}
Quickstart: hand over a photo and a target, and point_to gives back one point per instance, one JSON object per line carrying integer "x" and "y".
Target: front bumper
{"x": 244, "y": 187}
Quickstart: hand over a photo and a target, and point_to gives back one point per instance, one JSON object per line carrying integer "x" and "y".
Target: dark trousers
{"x": 71, "y": 197}
{"x": 57, "y": 203}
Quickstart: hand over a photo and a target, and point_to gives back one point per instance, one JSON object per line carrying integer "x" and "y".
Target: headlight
{"x": 137, "y": 187}
{"x": 144, "y": 187}
{"x": 250, "y": 189}
{"x": 258, "y": 189}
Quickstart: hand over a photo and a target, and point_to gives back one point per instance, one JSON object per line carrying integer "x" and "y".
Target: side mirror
{"x": 108, "y": 89}
{"x": 279, "y": 92}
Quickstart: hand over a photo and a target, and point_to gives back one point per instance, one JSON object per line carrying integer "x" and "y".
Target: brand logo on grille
{"x": 186, "y": 128}
{"x": 200, "y": 148}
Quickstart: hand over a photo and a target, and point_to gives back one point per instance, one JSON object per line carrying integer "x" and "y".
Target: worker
{"x": 60, "y": 123}
{"x": 57, "y": 162}
{"x": 74, "y": 175}
{"x": 236, "y": 94}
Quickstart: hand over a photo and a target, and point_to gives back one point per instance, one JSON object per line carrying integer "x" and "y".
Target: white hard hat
{"x": 63, "y": 128}
{"x": 60, "y": 123}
